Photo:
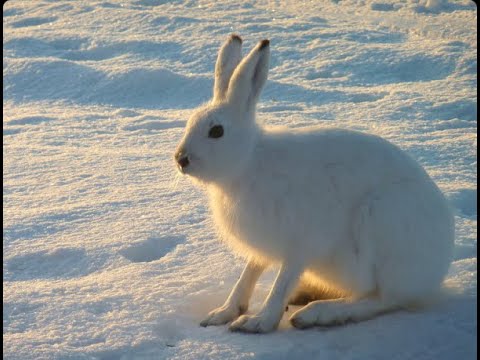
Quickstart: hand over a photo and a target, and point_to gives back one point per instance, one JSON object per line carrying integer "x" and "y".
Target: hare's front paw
{"x": 255, "y": 324}
{"x": 223, "y": 315}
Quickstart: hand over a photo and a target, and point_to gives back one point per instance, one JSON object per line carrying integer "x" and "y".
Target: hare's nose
{"x": 182, "y": 159}
{"x": 183, "y": 162}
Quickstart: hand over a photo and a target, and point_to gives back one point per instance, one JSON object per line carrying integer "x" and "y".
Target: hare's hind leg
{"x": 339, "y": 311}
{"x": 307, "y": 292}
{"x": 394, "y": 232}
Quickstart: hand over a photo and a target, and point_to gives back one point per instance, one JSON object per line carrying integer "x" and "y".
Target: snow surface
{"x": 109, "y": 254}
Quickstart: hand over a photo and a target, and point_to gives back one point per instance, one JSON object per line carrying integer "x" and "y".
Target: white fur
{"x": 338, "y": 207}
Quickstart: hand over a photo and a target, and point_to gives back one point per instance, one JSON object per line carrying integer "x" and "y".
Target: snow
{"x": 109, "y": 254}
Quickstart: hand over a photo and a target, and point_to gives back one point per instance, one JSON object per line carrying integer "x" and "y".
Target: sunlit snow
{"x": 108, "y": 253}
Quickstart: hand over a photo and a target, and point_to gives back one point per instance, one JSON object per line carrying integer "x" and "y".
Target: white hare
{"x": 335, "y": 209}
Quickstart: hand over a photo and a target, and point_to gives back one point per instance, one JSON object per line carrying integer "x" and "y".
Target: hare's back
{"x": 315, "y": 152}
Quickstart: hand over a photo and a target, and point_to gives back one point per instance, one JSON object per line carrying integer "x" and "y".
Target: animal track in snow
{"x": 17, "y": 316}
{"x": 62, "y": 263}
{"x": 33, "y": 21}
{"x": 137, "y": 87}
{"x": 81, "y": 49}
{"x": 284, "y": 92}
{"x": 459, "y": 109}
{"x": 50, "y": 79}
{"x": 465, "y": 201}
{"x": 173, "y": 20}
{"x": 147, "y": 49}
{"x": 396, "y": 67}
{"x": 11, "y": 131}
{"x": 149, "y": 88}
{"x": 151, "y": 249}
{"x": 153, "y": 125}
{"x": 30, "y": 120}
{"x": 365, "y": 36}
{"x": 150, "y": 2}
{"x": 11, "y": 12}
{"x": 382, "y": 7}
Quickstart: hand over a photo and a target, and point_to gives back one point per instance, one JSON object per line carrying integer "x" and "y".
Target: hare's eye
{"x": 216, "y": 132}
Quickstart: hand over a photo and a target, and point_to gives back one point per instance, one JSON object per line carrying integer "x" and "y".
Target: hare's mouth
{"x": 186, "y": 167}
{"x": 188, "y": 164}
{"x": 183, "y": 169}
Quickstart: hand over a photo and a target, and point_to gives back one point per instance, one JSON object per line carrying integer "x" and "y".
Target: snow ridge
{"x": 109, "y": 254}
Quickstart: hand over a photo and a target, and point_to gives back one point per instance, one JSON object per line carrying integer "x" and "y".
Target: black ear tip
{"x": 264, "y": 44}
{"x": 236, "y": 38}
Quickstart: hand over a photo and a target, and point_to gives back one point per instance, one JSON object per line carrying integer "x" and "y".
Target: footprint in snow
{"x": 465, "y": 201}
{"x": 33, "y": 21}
{"x": 62, "y": 263}
{"x": 151, "y": 249}
{"x": 30, "y": 120}
{"x": 11, "y": 131}
{"x": 153, "y": 125}
{"x": 382, "y": 7}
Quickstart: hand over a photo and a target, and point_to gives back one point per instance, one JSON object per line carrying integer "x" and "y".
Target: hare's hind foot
{"x": 339, "y": 311}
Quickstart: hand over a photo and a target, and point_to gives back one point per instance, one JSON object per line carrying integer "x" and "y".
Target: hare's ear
{"x": 228, "y": 58}
{"x": 249, "y": 77}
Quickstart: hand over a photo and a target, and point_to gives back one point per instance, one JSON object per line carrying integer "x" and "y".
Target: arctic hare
{"x": 333, "y": 208}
